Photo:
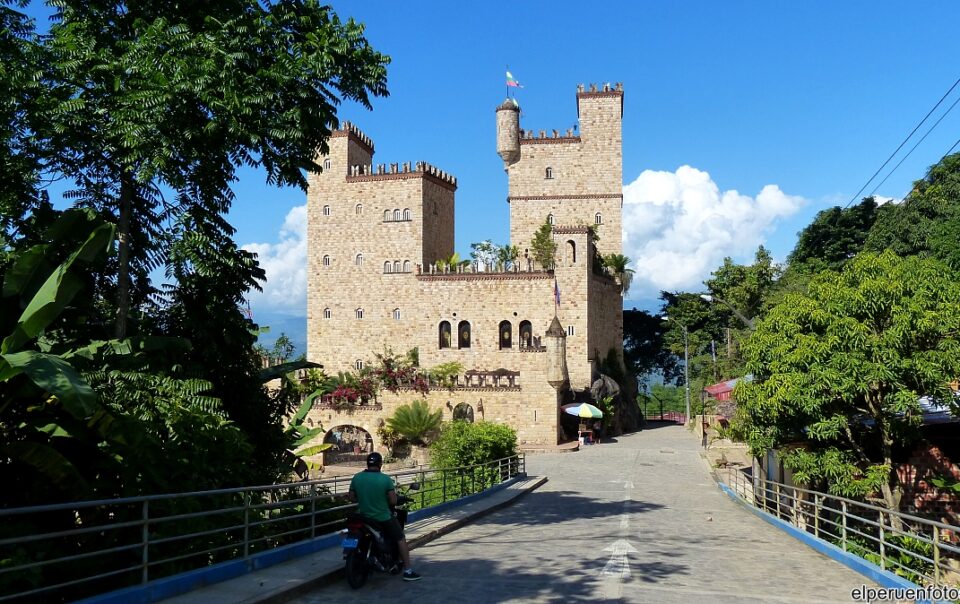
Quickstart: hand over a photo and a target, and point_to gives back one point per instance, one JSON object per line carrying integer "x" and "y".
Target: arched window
{"x": 526, "y": 334}
{"x": 463, "y": 334}
{"x": 388, "y": 267}
{"x": 396, "y": 314}
{"x": 506, "y": 335}
{"x": 396, "y": 214}
{"x": 326, "y": 164}
{"x": 327, "y": 313}
{"x": 463, "y": 413}
{"x": 358, "y": 260}
{"x": 326, "y": 260}
{"x": 406, "y": 213}
{"x": 386, "y": 215}
{"x": 326, "y": 210}
{"x": 598, "y": 218}
{"x": 359, "y": 312}
{"x": 549, "y": 173}
{"x": 446, "y": 340}
{"x": 406, "y": 266}
{"x": 359, "y": 209}
{"x": 549, "y": 218}
{"x": 396, "y": 266}
{"x": 358, "y": 364}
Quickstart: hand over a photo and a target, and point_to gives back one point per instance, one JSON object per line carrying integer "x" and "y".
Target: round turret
{"x": 508, "y": 132}
{"x": 556, "y": 343}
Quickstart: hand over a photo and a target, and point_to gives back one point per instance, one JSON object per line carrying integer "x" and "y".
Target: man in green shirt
{"x": 374, "y": 493}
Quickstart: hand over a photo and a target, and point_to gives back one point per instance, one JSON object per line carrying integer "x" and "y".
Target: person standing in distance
{"x": 374, "y": 493}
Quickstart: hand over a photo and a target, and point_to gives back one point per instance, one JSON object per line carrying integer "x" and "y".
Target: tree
{"x": 415, "y": 422}
{"x": 158, "y": 98}
{"x": 507, "y": 256}
{"x": 927, "y": 223}
{"x": 835, "y": 236}
{"x": 619, "y": 266}
{"x": 544, "y": 247}
{"x": 838, "y": 371}
{"x": 644, "y": 347}
{"x": 484, "y": 253}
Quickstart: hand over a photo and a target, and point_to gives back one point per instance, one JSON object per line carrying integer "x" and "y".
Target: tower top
{"x": 509, "y": 105}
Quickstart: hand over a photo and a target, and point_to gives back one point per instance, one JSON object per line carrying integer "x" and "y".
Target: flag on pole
{"x": 512, "y": 82}
{"x": 556, "y": 291}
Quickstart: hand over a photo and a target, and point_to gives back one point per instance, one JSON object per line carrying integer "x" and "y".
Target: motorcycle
{"x": 365, "y": 548}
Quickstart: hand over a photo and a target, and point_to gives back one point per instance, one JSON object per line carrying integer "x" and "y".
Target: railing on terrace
{"x": 667, "y": 416}
{"x": 920, "y": 550}
{"x": 63, "y": 552}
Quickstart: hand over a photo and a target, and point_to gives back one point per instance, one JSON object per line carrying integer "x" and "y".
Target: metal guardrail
{"x": 923, "y": 551}
{"x": 63, "y": 552}
{"x": 668, "y": 416}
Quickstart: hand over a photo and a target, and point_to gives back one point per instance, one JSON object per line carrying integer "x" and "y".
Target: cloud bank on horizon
{"x": 678, "y": 227}
{"x": 285, "y": 263}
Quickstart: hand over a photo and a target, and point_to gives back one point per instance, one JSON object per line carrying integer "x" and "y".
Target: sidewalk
{"x": 290, "y": 579}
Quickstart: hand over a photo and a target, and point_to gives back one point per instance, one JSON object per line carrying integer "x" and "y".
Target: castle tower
{"x": 508, "y": 132}
{"x": 556, "y": 343}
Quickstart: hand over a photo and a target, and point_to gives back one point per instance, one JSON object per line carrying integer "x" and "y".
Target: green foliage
{"x": 927, "y": 222}
{"x": 945, "y": 483}
{"x": 907, "y": 564}
{"x": 835, "y": 236}
{"x": 444, "y": 374}
{"x": 618, "y": 265}
{"x": 465, "y": 444}
{"x": 416, "y": 422}
{"x": 452, "y": 264}
{"x": 543, "y": 247}
{"x": 838, "y": 371}
{"x": 644, "y": 346}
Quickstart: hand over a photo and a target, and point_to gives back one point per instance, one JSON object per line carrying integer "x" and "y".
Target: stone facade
{"x": 375, "y": 233}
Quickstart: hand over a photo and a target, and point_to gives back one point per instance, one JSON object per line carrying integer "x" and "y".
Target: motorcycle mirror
{"x": 414, "y": 486}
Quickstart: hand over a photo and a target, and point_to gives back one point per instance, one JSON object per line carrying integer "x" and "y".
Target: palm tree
{"x": 453, "y": 263}
{"x": 618, "y": 266}
{"x": 506, "y": 256}
{"x": 415, "y": 422}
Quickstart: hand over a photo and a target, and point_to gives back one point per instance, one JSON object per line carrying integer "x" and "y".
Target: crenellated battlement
{"x": 528, "y": 137}
{"x": 605, "y": 90}
{"x": 420, "y": 169}
{"x": 349, "y": 129}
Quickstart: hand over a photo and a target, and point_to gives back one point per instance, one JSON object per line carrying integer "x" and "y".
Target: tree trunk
{"x": 123, "y": 255}
{"x": 891, "y": 489}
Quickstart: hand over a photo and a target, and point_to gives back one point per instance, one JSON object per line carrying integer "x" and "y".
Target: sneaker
{"x": 411, "y": 575}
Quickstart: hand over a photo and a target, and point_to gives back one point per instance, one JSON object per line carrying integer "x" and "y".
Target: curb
{"x": 284, "y": 594}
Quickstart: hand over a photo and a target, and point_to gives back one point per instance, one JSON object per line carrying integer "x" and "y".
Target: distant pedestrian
{"x": 597, "y": 427}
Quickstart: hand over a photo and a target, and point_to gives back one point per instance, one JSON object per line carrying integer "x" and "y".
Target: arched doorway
{"x": 350, "y": 445}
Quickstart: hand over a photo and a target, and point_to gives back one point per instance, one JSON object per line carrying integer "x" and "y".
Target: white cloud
{"x": 880, "y": 199}
{"x": 285, "y": 263}
{"x": 678, "y": 227}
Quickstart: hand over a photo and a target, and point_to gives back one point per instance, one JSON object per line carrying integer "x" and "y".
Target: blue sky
{"x": 741, "y": 119}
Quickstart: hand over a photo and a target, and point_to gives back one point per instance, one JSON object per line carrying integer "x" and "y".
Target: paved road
{"x": 638, "y": 520}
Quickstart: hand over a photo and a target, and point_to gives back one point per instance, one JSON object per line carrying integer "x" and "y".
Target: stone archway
{"x": 351, "y": 444}
{"x": 463, "y": 413}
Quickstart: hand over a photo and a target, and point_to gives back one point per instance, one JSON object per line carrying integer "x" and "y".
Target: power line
{"x": 904, "y": 158}
{"x": 909, "y": 136}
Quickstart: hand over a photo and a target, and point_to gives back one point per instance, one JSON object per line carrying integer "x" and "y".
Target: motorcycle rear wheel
{"x": 356, "y": 569}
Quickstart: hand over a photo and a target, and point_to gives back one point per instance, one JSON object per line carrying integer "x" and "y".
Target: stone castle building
{"x": 376, "y": 232}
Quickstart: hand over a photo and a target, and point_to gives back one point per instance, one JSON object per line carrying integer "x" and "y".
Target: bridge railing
{"x": 63, "y": 552}
{"x": 923, "y": 551}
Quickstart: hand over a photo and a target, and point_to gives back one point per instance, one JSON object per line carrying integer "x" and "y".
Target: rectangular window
{"x": 569, "y": 330}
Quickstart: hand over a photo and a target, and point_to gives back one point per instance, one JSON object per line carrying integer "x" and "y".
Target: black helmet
{"x": 374, "y": 460}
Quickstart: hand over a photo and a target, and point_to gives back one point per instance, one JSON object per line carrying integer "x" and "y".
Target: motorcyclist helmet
{"x": 374, "y": 460}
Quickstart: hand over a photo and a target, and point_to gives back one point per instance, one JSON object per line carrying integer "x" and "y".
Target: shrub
{"x": 465, "y": 444}
{"x": 415, "y": 422}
